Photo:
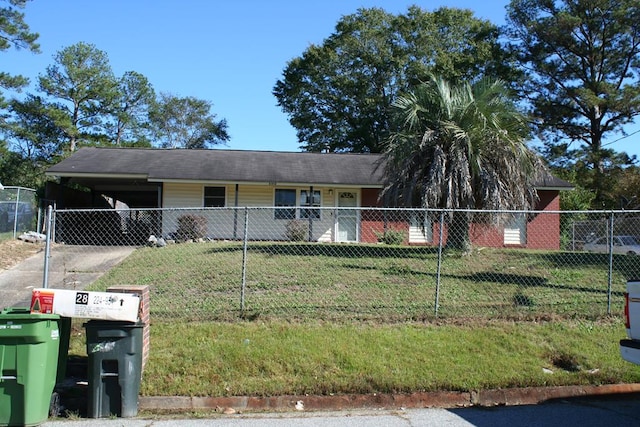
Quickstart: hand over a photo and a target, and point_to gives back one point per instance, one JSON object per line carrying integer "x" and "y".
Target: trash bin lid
{"x": 12, "y": 313}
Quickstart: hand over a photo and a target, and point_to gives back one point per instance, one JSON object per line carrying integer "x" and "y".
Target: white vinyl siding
{"x": 252, "y": 195}
{"x": 228, "y": 223}
{"x": 182, "y": 195}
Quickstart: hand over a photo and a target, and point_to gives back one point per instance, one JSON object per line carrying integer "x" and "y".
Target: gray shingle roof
{"x": 277, "y": 167}
{"x": 224, "y": 165}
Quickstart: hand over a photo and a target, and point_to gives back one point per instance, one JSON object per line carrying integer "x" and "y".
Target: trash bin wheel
{"x": 55, "y": 408}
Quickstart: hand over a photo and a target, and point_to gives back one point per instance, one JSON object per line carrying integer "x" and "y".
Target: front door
{"x": 347, "y": 219}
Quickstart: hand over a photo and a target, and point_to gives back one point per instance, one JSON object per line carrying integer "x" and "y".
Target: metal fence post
{"x": 244, "y": 258}
{"x": 15, "y": 214}
{"x": 610, "y": 278}
{"x": 437, "y": 303}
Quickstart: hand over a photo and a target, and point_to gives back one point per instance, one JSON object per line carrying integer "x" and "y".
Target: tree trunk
{"x": 458, "y": 232}
{"x": 597, "y": 162}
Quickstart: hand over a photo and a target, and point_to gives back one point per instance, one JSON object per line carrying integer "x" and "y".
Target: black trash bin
{"x": 114, "y": 350}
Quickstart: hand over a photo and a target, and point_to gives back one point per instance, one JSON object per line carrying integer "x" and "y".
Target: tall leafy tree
{"x": 627, "y": 188}
{"x": 185, "y": 122}
{"x": 338, "y": 94}
{"x": 81, "y": 80}
{"x": 15, "y": 33}
{"x": 460, "y": 146}
{"x": 18, "y": 170}
{"x": 583, "y": 57}
{"x": 130, "y": 109}
{"x": 35, "y": 129}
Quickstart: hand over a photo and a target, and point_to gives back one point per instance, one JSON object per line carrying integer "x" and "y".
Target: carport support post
{"x": 235, "y": 215}
{"x": 310, "y": 202}
{"x": 47, "y": 248}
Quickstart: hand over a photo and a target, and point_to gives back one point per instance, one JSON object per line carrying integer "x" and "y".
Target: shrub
{"x": 391, "y": 237}
{"x": 297, "y": 230}
{"x": 191, "y": 227}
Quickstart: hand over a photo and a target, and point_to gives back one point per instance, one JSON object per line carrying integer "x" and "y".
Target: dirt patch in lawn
{"x": 14, "y": 251}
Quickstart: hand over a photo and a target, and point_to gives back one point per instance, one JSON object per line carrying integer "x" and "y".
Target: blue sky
{"x": 230, "y": 53}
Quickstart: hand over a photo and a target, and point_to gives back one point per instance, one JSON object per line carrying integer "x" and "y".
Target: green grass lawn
{"x": 323, "y": 319}
{"x": 370, "y": 282}
{"x": 279, "y": 358}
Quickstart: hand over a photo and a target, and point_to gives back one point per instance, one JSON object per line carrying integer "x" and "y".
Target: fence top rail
{"x": 11, "y": 187}
{"x": 362, "y": 208}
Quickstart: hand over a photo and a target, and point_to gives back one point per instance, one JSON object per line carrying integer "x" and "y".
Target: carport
{"x": 108, "y": 210}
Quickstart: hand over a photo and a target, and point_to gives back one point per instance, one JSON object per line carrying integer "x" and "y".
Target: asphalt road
{"x": 70, "y": 267}
{"x": 617, "y": 411}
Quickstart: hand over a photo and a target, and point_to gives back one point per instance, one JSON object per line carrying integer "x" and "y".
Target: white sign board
{"x": 88, "y": 305}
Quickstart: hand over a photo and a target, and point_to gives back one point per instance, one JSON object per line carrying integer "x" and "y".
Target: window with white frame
{"x": 291, "y": 204}
{"x": 310, "y": 204}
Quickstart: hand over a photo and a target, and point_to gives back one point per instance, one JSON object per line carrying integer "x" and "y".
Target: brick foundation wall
{"x": 143, "y": 313}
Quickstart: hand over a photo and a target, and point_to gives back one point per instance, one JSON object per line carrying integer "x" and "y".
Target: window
{"x": 288, "y": 206}
{"x": 285, "y": 198}
{"x": 214, "y": 197}
{"x": 308, "y": 201}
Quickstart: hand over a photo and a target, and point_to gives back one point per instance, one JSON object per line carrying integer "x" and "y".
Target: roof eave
{"x": 95, "y": 175}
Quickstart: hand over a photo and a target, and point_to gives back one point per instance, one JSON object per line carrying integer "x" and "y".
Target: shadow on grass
{"x": 528, "y": 282}
{"x": 524, "y": 281}
{"x": 333, "y": 250}
{"x": 621, "y": 263}
{"x": 627, "y": 266}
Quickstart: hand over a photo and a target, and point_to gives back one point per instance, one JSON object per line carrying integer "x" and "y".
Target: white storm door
{"x": 347, "y": 219}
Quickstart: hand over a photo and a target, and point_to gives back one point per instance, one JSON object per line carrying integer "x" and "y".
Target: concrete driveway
{"x": 70, "y": 267}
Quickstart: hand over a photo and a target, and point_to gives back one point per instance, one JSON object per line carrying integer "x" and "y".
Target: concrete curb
{"x": 444, "y": 399}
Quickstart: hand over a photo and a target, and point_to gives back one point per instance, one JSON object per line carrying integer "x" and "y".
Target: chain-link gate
{"x": 18, "y": 211}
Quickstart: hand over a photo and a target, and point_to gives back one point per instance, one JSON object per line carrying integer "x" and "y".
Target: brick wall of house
{"x": 487, "y": 235}
{"x": 543, "y": 231}
{"x": 371, "y": 222}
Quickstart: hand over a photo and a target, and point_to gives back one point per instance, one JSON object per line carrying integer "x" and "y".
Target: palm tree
{"x": 459, "y": 147}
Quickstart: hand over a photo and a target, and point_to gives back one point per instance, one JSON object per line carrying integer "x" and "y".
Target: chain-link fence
{"x": 226, "y": 264}
{"x": 18, "y": 211}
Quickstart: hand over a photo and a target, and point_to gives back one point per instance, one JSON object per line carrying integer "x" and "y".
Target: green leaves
{"x": 14, "y": 32}
{"x": 584, "y": 58}
{"x": 459, "y": 146}
{"x": 82, "y": 81}
{"x": 338, "y": 95}
{"x": 185, "y": 123}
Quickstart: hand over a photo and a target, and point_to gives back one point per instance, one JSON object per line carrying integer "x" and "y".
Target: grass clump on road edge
{"x": 280, "y": 358}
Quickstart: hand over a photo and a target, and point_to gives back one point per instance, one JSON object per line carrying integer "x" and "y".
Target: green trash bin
{"x": 114, "y": 350}
{"x": 29, "y": 354}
